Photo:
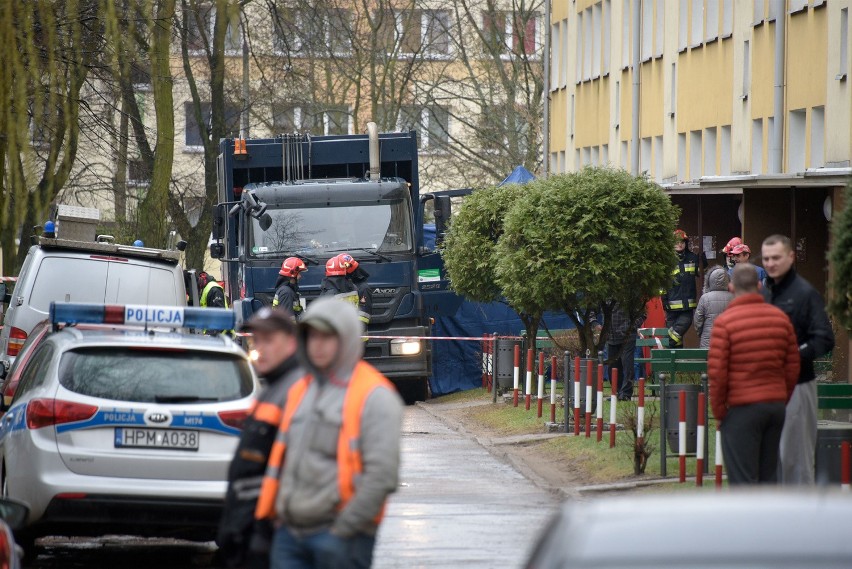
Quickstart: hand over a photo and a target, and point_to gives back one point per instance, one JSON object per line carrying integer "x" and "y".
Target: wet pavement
{"x": 458, "y": 506}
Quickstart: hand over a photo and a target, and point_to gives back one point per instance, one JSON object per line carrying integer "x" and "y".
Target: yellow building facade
{"x": 744, "y": 110}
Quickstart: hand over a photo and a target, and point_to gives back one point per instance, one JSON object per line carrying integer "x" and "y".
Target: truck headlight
{"x": 404, "y": 347}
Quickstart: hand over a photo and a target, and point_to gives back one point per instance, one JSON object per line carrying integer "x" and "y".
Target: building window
{"x": 140, "y": 75}
{"x": 625, "y": 154}
{"x": 195, "y": 136}
{"x": 658, "y": 158}
{"x": 844, "y": 44}
{"x": 314, "y": 118}
{"x": 587, "y": 44}
{"x": 795, "y": 6}
{"x": 339, "y": 30}
{"x": 709, "y": 152}
{"x": 604, "y": 154}
{"x": 725, "y": 156}
{"x": 625, "y": 35}
{"x": 572, "y": 119}
{"x": 524, "y": 34}
{"x": 746, "y": 70}
{"x": 796, "y": 145}
{"x": 647, "y": 29}
{"x": 607, "y": 21}
{"x": 554, "y": 162}
{"x": 727, "y": 18}
{"x": 200, "y": 23}
{"x": 596, "y": 40}
{"x": 431, "y": 123}
{"x": 697, "y": 22}
{"x": 681, "y": 156}
{"x": 594, "y": 155}
{"x": 400, "y": 31}
{"x": 759, "y": 12}
{"x": 617, "y": 115}
{"x": 712, "y": 26}
{"x": 818, "y": 137}
{"x": 645, "y": 155}
{"x": 585, "y": 156}
{"x": 673, "y": 91}
{"x": 506, "y": 35}
{"x": 436, "y": 32}
{"x": 562, "y": 165}
{"x": 659, "y": 34}
{"x": 694, "y": 154}
{"x": 555, "y": 57}
{"x": 682, "y": 26}
{"x": 578, "y": 72}
{"x": 757, "y": 146}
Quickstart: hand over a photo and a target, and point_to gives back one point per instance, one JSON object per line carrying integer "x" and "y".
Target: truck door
{"x": 438, "y": 299}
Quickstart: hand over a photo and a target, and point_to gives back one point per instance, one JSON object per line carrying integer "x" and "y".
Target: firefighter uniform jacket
{"x": 683, "y": 294}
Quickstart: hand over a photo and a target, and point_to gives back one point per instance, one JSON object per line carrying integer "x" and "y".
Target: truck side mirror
{"x": 443, "y": 212}
{"x": 218, "y": 223}
{"x": 265, "y": 221}
{"x": 217, "y": 250}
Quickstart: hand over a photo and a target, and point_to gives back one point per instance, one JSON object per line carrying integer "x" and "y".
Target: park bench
{"x": 834, "y": 395}
{"x": 650, "y": 339}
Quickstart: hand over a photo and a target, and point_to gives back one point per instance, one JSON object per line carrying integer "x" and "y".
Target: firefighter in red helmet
{"x": 287, "y": 288}
{"x": 682, "y": 297}
{"x": 345, "y": 279}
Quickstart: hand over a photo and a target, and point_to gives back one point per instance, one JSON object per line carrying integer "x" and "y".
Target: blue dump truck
{"x": 316, "y": 197}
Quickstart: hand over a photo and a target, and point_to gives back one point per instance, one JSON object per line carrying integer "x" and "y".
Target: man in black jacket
{"x": 242, "y": 541}
{"x": 806, "y": 310}
{"x": 287, "y": 295}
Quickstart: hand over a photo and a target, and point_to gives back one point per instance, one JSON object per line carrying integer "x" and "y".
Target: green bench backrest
{"x": 834, "y": 395}
{"x": 679, "y": 361}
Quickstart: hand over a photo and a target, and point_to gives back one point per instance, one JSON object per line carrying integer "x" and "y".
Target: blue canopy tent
{"x": 457, "y": 364}
{"x": 519, "y": 175}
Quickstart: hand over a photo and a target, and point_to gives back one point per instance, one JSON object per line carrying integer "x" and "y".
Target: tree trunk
{"x": 152, "y": 210}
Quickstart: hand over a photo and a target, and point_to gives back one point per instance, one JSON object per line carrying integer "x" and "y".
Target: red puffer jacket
{"x": 754, "y": 356}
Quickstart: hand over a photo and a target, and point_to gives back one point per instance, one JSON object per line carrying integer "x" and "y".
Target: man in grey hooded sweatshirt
{"x": 336, "y": 457}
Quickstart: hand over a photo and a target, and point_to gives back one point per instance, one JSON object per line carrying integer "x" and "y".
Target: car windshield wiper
{"x": 371, "y": 251}
{"x": 183, "y": 399}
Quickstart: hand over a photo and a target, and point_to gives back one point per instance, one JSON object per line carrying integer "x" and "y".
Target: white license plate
{"x": 176, "y": 439}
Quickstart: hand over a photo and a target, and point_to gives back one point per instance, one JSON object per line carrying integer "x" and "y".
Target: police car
{"x": 124, "y": 423}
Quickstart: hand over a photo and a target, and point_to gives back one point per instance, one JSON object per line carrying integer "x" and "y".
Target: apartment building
{"x": 739, "y": 155}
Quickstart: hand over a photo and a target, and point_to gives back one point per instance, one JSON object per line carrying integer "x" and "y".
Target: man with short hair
{"x": 805, "y": 308}
{"x": 336, "y": 454}
{"x": 742, "y": 254}
{"x": 753, "y": 364}
{"x": 242, "y": 541}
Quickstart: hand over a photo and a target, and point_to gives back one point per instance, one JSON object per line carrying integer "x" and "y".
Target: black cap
{"x": 271, "y": 320}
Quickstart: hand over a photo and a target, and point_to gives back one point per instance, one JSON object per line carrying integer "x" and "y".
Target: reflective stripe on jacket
{"x": 683, "y": 293}
{"x": 365, "y": 379}
{"x": 206, "y": 292}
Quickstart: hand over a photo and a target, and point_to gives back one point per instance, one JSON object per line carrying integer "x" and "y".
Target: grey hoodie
{"x": 712, "y": 303}
{"x": 308, "y": 498}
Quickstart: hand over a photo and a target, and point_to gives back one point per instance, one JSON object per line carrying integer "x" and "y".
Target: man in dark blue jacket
{"x": 806, "y": 310}
{"x": 682, "y": 297}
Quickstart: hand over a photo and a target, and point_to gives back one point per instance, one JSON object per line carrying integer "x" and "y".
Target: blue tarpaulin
{"x": 519, "y": 175}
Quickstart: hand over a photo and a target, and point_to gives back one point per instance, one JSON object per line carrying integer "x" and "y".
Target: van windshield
{"x": 382, "y": 226}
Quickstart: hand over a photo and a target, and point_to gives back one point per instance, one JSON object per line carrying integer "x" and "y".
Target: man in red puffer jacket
{"x": 753, "y": 366}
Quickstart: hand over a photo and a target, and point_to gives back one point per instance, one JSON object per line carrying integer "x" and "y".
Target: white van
{"x": 62, "y": 270}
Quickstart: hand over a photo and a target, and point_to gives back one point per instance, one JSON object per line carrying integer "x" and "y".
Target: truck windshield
{"x": 381, "y": 226}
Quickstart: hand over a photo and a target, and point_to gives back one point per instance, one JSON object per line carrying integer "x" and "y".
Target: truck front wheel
{"x": 413, "y": 390}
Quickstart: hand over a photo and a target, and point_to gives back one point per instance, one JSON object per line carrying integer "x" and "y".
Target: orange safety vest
{"x": 365, "y": 379}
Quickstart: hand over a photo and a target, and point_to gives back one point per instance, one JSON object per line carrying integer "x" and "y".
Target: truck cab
{"x": 317, "y": 197}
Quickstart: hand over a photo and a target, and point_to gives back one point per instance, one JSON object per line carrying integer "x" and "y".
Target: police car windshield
{"x": 149, "y": 376}
{"x": 315, "y": 229}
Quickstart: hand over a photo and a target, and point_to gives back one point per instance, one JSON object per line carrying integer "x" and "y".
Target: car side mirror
{"x": 218, "y": 222}
{"x": 217, "y": 250}
{"x": 443, "y": 212}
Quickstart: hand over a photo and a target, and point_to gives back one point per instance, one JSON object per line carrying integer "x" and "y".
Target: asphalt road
{"x": 457, "y": 507}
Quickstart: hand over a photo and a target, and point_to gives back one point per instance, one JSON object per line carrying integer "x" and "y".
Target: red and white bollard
{"x": 699, "y": 450}
{"x": 599, "y": 423}
{"x": 553, "y": 389}
{"x": 590, "y": 381}
{"x": 845, "y": 466}
{"x": 640, "y": 415}
{"x": 516, "y": 371}
{"x": 528, "y": 384}
{"x": 540, "y": 395}
{"x": 681, "y": 431}
{"x": 613, "y": 400}
{"x": 719, "y": 459}
{"x": 577, "y": 396}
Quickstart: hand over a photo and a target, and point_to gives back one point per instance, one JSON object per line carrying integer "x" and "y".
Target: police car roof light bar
{"x": 142, "y": 315}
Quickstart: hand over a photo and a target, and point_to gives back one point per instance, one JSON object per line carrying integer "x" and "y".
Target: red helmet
{"x": 680, "y": 235}
{"x": 741, "y": 248}
{"x": 291, "y": 267}
{"x": 731, "y": 244}
{"x": 340, "y": 265}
